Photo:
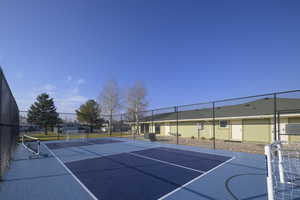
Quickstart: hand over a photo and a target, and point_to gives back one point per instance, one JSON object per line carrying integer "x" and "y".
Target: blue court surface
{"x": 120, "y": 168}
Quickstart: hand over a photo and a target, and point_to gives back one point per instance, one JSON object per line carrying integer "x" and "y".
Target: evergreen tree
{"x": 89, "y": 113}
{"x": 43, "y": 112}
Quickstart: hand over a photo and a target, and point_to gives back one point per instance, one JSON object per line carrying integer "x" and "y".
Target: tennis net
{"x": 32, "y": 144}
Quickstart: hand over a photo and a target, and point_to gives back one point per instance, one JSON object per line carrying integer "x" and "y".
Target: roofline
{"x": 221, "y": 118}
{"x": 229, "y": 99}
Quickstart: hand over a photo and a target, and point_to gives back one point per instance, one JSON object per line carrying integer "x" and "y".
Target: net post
{"x": 280, "y": 163}
{"x": 269, "y": 172}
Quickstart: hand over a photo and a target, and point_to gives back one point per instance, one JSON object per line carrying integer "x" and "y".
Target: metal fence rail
{"x": 9, "y": 124}
{"x": 202, "y": 123}
{"x": 210, "y": 124}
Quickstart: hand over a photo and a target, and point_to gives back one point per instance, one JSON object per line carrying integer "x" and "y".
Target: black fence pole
{"x": 110, "y": 124}
{"x": 214, "y": 128}
{"x": 274, "y": 117}
{"x": 1, "y": 128}
{"x": 121, "y": 124}
{"x": 278, "y": 123}
{"x": 177, "y": 134}
{"x": 152, "y": 123}
{"x": 57, "y": 129}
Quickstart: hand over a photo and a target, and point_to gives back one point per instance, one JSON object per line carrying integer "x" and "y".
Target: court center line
{"x": 71, "y": 173}
{"x": 193, "y": 180}
{"x": 165, "y": 162}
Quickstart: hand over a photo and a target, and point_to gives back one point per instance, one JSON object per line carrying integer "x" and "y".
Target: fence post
{"x": 134, "y": 132}
{"x": 177, "y": 134}
{"x": 274, "y": 117}
{"x": 214, "y": 128}
{"x": 1, "y": 135}
{"x": 58, "y": 130}
{"x": 278, "y": 123}
{"x": 110, "y": 124}
{"x": 121, "y": 124}
{"x": 152, "y": 123}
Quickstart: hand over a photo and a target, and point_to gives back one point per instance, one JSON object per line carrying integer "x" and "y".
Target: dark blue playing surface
{"x": 191, "y": 159}
{"x": 127, "y": 176}
{"x": 61, "y": 145}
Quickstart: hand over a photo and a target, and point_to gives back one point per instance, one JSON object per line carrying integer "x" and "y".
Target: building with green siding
{"x": 247, "y": 122}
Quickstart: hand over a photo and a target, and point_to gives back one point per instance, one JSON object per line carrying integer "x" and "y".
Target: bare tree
{"x": 110, "y": 100}
{"x": 137, "y": 102}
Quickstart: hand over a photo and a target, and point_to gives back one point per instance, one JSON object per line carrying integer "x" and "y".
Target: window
{"x": 223, "y": 124}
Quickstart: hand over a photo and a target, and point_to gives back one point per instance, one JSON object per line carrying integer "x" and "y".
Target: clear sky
{"x": 184, "y": 51}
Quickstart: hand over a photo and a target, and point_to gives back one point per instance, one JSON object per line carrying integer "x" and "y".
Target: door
{"x": 283, "y": 123}
{"x": 257, "y": 130}
{"x": 237, "y": 130}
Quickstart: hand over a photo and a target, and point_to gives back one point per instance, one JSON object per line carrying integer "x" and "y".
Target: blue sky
{"x": 183, "y": 51}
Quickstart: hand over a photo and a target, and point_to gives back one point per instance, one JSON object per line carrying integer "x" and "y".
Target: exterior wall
{"x": 187, "y": 129}
{"x": 173, "y": 128}
{"x": 162, "y": 128}
{"x": 223, "y": 133}
{"x": 294, "y": 138}
{"x": 257, "y": 130}
{"x": 207, "y": 130}
{"x": 253, "y": 130}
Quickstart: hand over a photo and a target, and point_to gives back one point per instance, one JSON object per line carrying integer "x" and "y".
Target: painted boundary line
{"x": 177, "y": 147}
{"x": 165, "y": 162}
{"x": 71, "y": 173}
{"x": 191, "y": 181}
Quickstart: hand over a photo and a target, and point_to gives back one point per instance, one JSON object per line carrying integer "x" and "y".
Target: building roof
{"x": 254, "y": 108}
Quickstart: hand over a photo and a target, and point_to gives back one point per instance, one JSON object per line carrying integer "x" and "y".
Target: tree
{"x": 137, "y": 102}
{"x": 89, "y": 113}
{"x": 110, "y": 100}
{"x": 43, "y": 112}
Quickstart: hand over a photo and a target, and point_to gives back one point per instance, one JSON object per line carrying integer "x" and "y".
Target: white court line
{"x": 165, "y": 162}
{"x": 183, "y": 186}
{"x": 71, "y": 173}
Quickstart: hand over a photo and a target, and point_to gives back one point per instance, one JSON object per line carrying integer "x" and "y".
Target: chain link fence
{"x": 243, "y": 124}
{"x": 9, "y": 124}
{"x": 239, "y": 124}
{"x": 71, "y": 128}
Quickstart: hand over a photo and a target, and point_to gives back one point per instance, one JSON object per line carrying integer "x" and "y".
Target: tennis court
{"x": 120, "y": 168}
